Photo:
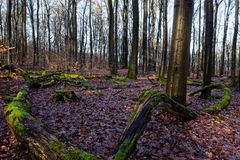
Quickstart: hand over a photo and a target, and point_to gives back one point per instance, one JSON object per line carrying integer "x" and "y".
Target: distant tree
{"x": 24, "y": 33}
{"x": 125, "y": 35}
{"x": 215, "y": 18}
{"x": 133, "y": 65}
{"x": 90, "y": 36}
{"x": 180, "y": 50}
{"x": 165, "y": 39}
{"x": 207, "y": 71}
{"x": 111, "y": 60}
{"x": 234, "y": 44}
{"x": 9, "y": 26}
{"x": 144, "y": 41}
{"x": 225, "y": 36}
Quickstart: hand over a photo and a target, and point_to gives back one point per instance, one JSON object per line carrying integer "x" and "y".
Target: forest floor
{"x": 96, "y": 120}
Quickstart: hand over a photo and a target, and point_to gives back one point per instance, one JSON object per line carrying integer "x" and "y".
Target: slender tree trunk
{"x": 165, "y": 39}
{"x": 234, "y": 44}
{"x": 144, "y": 41}
{"x": 180, "y": 50}
{"x": 125, "y": 34}
{"x": 116, "y": 33}
{"x": 199, "y": 40}
{"x": 38, "y": 33}
{"x": 82, "y": 54}
{"x": 215, "y": 17}
{"x": 31, "y": 11}
{"x": 74, "y": 26}
{"x": 111, "y": 58}
{"x": 24, "y": 34}
{"x": 90, "y": 36}
{"x": 133, "y": 65}
{"x": 225, "y": 37}
{"x": 207, "y": 72}
{"x": 9, "y": 28}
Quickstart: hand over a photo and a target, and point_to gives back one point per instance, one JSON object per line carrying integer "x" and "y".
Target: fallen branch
{"x": 40, "y": 142}
{"x": 224, "y": 101}
{"x": 148, "y": 101}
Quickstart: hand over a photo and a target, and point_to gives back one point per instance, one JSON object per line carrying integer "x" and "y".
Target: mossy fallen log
{"x": 148, "y": 101}
{"x": 32, "y": 133}
{"x": 64, "y": 94}
{"x": 223, "y": 102}
{"x": 193, "y": 83}
{"x": 46, "y": 79}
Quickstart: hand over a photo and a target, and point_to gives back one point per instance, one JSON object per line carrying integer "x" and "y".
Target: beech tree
{"x": 180, "y": 50}
{"x": 133, "y": 64}
{"x": 207, "y": 73}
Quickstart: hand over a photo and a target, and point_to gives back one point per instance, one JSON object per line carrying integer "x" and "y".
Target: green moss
{"x": 14, "y": 115}
{"x": 7, "y": 99}
{"x": 21, "y": 95}
{"x": 62, "y": 94}
{"x": 218, "y": 119}
{"x": 48, "y": 84}
{"x": 76, "y": 154}
{"x": 126, "y": 147}
{"x": 193, "y": 83}
{"x": 223, "y": 103}
{"x": 120, "y": 83}
{"x": 56, "y": 146}
{"x": 146, "y": 94}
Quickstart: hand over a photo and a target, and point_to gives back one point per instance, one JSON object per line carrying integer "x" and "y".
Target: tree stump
{"x": 64, "y": 94}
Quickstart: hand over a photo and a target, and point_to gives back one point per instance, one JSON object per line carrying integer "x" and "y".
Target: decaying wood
{"x": 32, "y": 133}
{"x": 148, "y": 101}
{"x": 224, "y": 101}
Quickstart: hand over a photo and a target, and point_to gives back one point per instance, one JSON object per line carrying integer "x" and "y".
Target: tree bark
{"x": 207, "y": 72}
{"x": 133, "y": 65}
{"x": 234, "y": 45}
{"x": 144, "y": 41}
{"x": 178, "y": 68}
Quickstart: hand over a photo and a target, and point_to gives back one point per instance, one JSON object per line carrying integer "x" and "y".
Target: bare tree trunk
{"x": 91, "y": 39}
{"x": 24, "y": 34}
{"x": 207, "y": 72}
{"x": 144, "y": 41}
{"x": 234, "y": 44}
{"x": 111, "y": 58}
{"x": 225, "y": 37}
{"x": 38, "y": 33}
{"x": 31, "y": 11}
{"x": 165, "y": 39}
{"x": 81, "y": 59}
{"x": 125, "y": 35}
{"x": 215, "y": 17}
{"x": 178, "y": 68}
{"x": 116, "y": 33}
{"x": 74, "y": 28}
{"x": 9, "y": 28}
{"x": 199, "y": 40}
{"x": 133, "y": 65}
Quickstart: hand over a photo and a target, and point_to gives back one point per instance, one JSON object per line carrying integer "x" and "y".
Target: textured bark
{"x": 225, "y": 37}
{"x": 207, "y": 71}
{"x": 234, "y": 45}
{"x": 125, "y": 34}
{"x": 144, "y": 41}
{"x": 111, "y": 57}
{"x": 133, "y": 65}
{"x": 178, "y": 68}
{"x": 24, "y": 34}
{"x": 165, "y": 39}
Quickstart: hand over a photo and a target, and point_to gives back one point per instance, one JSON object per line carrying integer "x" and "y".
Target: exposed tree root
{"x": 41, "y": 143}
{"x": 224, "y": 101}
{"x": 148, "y": 101}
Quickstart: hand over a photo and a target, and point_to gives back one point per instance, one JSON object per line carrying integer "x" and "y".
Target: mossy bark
{"x": 224, "y": 101}
{"x": 32, "y": 133}
{"x": 148, "y": 101}
{"x": 194, "y": 83}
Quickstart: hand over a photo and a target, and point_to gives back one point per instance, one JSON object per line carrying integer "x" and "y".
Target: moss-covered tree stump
{"x": 64, "y": 94}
